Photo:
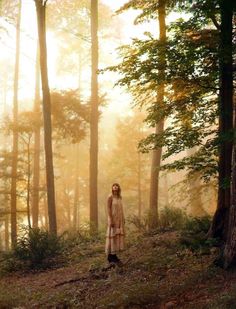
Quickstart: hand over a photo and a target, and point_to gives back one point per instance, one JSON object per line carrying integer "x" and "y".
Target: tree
{"x": 36, "y": 167}
{"x": 41, "y": 11}
{"x": 191, "y": 79}
{"x": 93, "y": 168}
{"x": 76, "y": 190}
{"x": 150, "y": 8}
{"x": 221, "y": 218}
{"x": 156, "y": 156}
{"x": 28, "y": 122}
{"x": 226, "y": 93}
{"x": 70, "y": 123}
{"x": 15, "y": 134}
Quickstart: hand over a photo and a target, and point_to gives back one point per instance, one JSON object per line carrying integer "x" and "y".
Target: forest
{"x": 117, "y": 129}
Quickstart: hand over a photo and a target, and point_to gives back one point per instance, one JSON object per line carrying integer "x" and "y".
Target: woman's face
{"x": 115, "y": 188}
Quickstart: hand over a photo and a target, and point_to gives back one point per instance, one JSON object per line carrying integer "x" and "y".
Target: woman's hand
{"x": 112, "y": 224}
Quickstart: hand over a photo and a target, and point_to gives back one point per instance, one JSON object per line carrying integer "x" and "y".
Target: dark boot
{"x": 111, "y": 258}
{"x": 118, "y": 261}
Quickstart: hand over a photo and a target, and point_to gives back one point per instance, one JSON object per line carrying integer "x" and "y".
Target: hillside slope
{"x": 157, "y": 273}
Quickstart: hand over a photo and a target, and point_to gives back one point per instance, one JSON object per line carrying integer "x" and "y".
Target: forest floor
{"x": 157, "y": 273}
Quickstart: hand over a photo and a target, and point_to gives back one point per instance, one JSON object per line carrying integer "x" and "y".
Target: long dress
{"x": 115, "y": 235}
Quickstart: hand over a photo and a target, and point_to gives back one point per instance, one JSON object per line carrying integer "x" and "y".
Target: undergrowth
{"x": 35, "y": 249}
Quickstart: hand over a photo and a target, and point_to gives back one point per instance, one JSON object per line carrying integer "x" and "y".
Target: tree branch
{"x": 215, "y": 22}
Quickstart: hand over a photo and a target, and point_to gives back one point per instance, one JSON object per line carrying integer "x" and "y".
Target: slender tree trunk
{"x": 45, "y": 204}
{"x": 28, "y": 183}
{"x": 166, "y": 189}
{"x": 154, "y": 183}
{"x": 7, "y": 232}
{"x": 76, "y": 189}
{"x": 15, "y": 135}
{"x": 93, "y": 168}
{"x": 6, "y": 226}
{"x": 41, "y": 8}
{"x": 139, "y": 187}
{"x": 36, "y": 167}
{"x": 68, "y": 206}
{"x": 156, "y": 155}
{"x": 76, "y": 184}
{"x": 220, "y": 219}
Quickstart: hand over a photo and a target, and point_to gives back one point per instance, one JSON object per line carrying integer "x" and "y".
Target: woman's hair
{"x": 119, "y": 189}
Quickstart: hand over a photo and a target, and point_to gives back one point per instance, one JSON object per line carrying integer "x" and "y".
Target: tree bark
{"x": 7, "y": 232}
{"x": 229, "y": 254}
{"x": 36, "y": 167}
{"x": 15, "y": 135}
{"x": 154, "y": 183}
{"x": 76, "y": 190}
{"x": 41, "y": 8}
{"x": 93, "y": 168}
{"x": 45, "y": 207}
{"x": 28, "y": 184}
{"x": 220, "y": 219}
{"x": 139, "y": 187}
{"x": 156, "y": 155}
{"x": 166, "y": 190}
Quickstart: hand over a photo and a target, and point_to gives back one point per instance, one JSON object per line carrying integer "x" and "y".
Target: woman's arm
{"x": 109, "y": 211}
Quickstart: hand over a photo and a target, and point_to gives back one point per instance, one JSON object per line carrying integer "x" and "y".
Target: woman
{"x": 115, "y": 230}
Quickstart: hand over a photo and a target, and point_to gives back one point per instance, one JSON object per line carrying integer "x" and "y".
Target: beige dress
{"x": 115, "y": 235}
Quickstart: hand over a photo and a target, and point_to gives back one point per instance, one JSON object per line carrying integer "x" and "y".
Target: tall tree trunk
{"x": 220, "y": 219}
{"x": 36, "y": 167}
{"x": 139, "y": 187}
{"x": 7, "y": 232}
{"x": 76, "y": 189}
{"x": 41, "y": 8}
{"x": 154, "y": 182}
{"x": 6, "y": 201}
{"x": 93, "y": 168}
{"x": 28, "y": 183}
{"x": 166, "y": 189}
{"x": 15, "y": 135}
{"x": 68, "y": 206}
{"x": 45, "y": 207}
{"x": 156, "y": 155}
{"x": 229, "y": 254}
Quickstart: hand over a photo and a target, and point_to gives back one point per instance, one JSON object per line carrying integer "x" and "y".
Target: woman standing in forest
{"x": 115, "y": 230}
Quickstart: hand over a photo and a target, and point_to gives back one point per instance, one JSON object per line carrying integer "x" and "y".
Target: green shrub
{"x": 169, "y": 218}
{"x": 194, "y": 235}
{"x": 37, "y": 248}
{"x": 172, "y": 217}
{"x": 196, "y": 225}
